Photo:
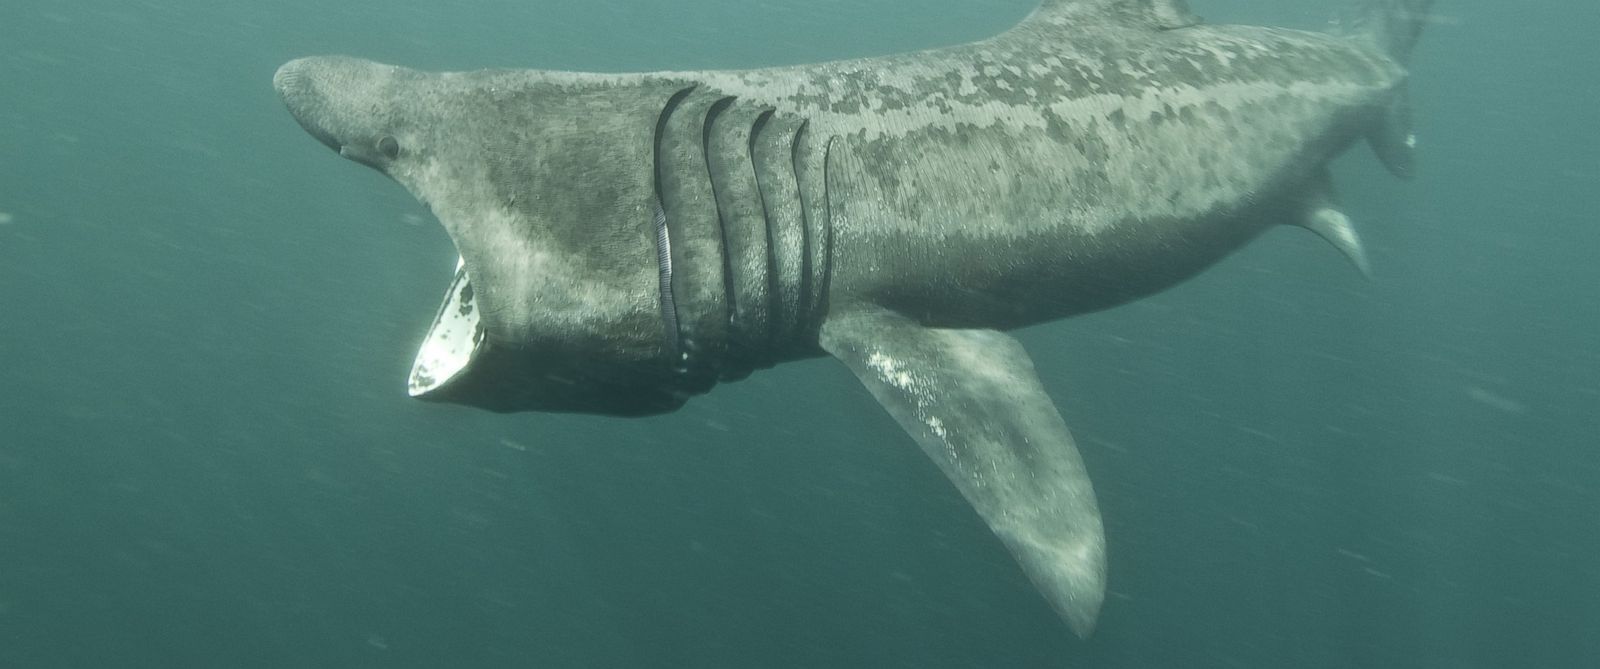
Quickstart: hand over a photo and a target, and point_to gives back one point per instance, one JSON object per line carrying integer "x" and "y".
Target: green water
{"x": 207, "y": 458}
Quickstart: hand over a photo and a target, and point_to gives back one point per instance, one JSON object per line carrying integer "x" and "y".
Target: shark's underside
{"x": 629, "y": 240}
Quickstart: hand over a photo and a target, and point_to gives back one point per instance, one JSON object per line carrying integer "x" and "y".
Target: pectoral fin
{"x": 1323, "y": 217}
{"x": 1335, "y": 227}
{"x": 971, "y": 400}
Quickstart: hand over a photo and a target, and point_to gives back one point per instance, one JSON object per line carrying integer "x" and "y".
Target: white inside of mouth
{"x": 452, "y": 340}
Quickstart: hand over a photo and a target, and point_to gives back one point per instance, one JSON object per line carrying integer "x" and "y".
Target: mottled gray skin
{"x": 632, "y": 239}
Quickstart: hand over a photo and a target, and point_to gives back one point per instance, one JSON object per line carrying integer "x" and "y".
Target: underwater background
{"x": 208, "y": 459}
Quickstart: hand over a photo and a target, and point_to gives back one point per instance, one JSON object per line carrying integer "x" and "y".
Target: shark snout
{"x": 296, "y": 84}
{"x": 290, "y": 76}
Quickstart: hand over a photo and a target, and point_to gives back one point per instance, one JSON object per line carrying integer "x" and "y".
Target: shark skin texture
{"x": 628, "y": 241}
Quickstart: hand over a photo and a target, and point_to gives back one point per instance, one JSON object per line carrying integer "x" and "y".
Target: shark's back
{"x": 1143, "y": 150}
{"x": 1082, "y": 125}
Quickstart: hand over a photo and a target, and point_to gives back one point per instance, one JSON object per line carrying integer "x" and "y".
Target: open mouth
{"x": 452, "y": 341}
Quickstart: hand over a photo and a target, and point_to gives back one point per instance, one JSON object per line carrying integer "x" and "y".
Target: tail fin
{"x": 1393, "y": 26}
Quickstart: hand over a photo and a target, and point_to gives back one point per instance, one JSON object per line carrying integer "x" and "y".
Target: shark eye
{"x": 389, "y": 147}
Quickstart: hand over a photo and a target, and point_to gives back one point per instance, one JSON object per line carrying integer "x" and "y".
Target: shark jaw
{"x": 453, "y": 340}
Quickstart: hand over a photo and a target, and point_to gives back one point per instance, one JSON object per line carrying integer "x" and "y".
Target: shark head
{"x": 556, "y": 303}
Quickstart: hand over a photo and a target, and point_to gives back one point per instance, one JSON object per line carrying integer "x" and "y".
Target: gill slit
{"x": 820, "y": 309}
{"x": 774, "y": 302}
{"x": 806, "y": 214}
{"x": 717, "y": 108}
{"x": 672, "y": 335}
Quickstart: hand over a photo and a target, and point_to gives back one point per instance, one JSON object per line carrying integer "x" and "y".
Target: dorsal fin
{"x": 1156, "y": 14}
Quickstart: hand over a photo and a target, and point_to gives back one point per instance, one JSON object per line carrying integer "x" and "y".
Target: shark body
{"x": 628, "y": 241}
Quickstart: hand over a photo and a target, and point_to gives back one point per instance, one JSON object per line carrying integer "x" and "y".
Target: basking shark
{"x": 627, "y": 241}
